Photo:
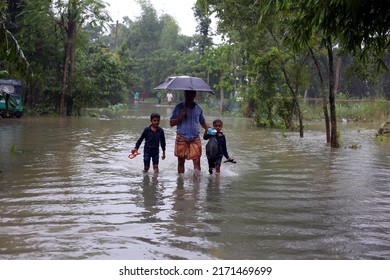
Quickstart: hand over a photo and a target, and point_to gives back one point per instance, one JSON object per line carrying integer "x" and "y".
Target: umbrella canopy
{"x": 184, "y": 83}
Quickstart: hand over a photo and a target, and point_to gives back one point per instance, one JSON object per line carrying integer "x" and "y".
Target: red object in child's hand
{"x": 133, "y": 155}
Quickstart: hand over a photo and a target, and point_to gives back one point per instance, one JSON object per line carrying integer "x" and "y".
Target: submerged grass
{"x": 382, "y": 138}
{"x": 363, "y": 110}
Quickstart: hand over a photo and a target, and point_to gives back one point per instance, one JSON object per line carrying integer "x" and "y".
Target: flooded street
{"x": 69, "y": 191}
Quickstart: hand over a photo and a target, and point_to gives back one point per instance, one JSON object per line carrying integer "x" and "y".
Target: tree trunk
{"x": 326, "y": 116}
{"x": 222, "y": 99}
{"x": 291, "y": 119}
{"x": 72, "y": 39}
{"x": 70, "y": 28}
{"x": 298, "y": 107}
{"x": 222, "y": 92}
{"x": 333, "y": 121}
{"x": 72, "y": 33}
{"x": 233, "y": 94}
{"x": 301, "y": 128}
{"x": 337, "y": 77}
{"x": 64, "y": 78}
{"x": 295, "y": 103}
{"x": 324, "y": 103}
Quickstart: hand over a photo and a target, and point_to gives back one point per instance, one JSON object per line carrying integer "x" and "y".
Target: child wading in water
{"x": 216, "y": 147}
{"x": 154, "y": 137}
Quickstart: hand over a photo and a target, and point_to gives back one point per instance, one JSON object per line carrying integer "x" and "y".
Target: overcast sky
{"x": 181, "y": 10}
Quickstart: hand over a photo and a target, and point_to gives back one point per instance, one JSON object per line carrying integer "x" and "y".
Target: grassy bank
{"x": 348, "y": 110}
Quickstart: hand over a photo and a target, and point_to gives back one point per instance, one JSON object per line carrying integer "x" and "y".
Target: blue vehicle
{"x": 11, "y": 102}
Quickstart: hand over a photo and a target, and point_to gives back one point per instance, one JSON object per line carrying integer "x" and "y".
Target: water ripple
{"x": 74, "y": 194}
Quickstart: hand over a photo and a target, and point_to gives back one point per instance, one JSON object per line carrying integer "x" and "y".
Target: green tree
{"x": 42, "y": 43}
{"x": 155, "y": 49}
{"x": 364, "y": 34}
{"x": 299, "y": 24}
{"x": 169, "y": 33}
{"x": 219, "y": 63}
{"x": 69, "y": 17}
{"x": 204, "y": 22}
{"x": 12, "y": 58}
{"x": 260, "y": 35}
{"x": 322, "y": 90}
{"x": 101, "y": 79}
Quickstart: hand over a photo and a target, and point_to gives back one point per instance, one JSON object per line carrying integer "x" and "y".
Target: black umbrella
{"x": 184, "y": 83}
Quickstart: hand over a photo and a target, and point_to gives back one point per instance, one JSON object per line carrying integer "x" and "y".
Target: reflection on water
{"x": 68, "y": 191}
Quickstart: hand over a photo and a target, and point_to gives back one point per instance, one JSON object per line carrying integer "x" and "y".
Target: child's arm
{"x": 139, "y": 142}
{"x": 224, "y": 148}
{"x": 206, "y": 136}
{"x": 163, "y": 143}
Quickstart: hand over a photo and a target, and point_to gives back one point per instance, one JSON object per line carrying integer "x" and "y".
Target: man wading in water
{"x": 187, "y": 116}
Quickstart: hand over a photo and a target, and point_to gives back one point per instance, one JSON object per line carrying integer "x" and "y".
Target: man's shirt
{"x": 189, "y": 126}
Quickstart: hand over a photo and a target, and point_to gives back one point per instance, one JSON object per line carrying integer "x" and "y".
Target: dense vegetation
{"x": 273, "y": 54}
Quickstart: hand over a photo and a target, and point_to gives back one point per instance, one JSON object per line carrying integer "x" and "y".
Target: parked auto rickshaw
{"x": 11, "y": 103}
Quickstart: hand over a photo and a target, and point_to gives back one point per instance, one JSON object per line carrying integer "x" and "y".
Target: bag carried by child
{"x": 212, "y": 148}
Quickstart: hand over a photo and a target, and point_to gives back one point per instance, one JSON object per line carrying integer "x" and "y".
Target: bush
{"x": 118, "y": 107}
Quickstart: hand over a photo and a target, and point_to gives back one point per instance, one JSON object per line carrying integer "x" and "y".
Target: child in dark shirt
{"x": 154, "y": 137}
{"x": 215, "y": 158}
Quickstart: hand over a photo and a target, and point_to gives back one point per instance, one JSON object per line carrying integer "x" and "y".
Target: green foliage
{"x": 153, "y": 49}
{"x": 365, "y": 110}
{"x": 14, "y": 150}
{"x": 4, "y": 74}
{"x": 203, "y": 27}
{"x": 382, "y": 138}
{"x": 338, "y": 143}
{"x": 58, "y": 29}
{"x": 169, "y": 36}
{"x": 262, "y": 61}
{"x": 294, "y": 26}
{"x": 12, "y": 57}
{"x": 219, "y": 63}
{"x": 354, "y": 146}
{"x": 100, "y": 79}
{"x": 271, "y": 101}
{"x": 364, "y": 35}
{"x": 118, "y": 107}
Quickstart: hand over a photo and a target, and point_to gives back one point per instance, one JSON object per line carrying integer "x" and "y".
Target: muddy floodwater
{"x": 69, "y": 191}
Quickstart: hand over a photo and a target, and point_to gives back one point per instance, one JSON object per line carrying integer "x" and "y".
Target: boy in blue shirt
{"x": 154, "y": 137}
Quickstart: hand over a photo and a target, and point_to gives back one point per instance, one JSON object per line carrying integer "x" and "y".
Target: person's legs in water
{"x": 191, "y": 150}
{"x": 217, "y": 163}
{"x": 211, "y": 165}
{"x": 195, "y": 152}
{"x": 197, "y": 167}
{"x": 155, "y": 159}
{"x": 180, "y": 153}
{"x": 147, "y": 158}
{"x": 218, "y": 169}
{"x": 180, "y": 165}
